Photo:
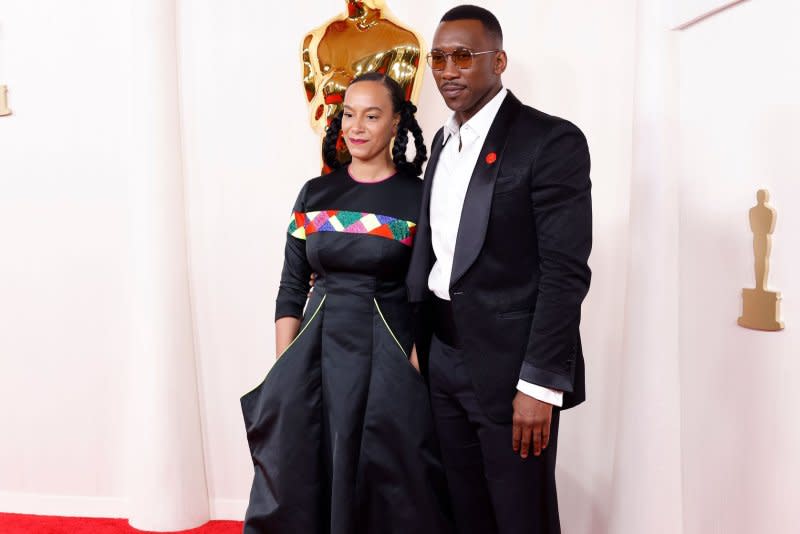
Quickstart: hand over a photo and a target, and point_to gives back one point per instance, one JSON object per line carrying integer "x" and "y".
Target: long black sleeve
{"x": 562, "y": 207}
{"x": 293, "y": 291}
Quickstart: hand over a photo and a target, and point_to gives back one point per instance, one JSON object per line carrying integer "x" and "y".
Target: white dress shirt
{"x": 450, "y": 182}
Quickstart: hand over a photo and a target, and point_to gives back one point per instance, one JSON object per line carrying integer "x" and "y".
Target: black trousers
{"x": 492, "y": 489}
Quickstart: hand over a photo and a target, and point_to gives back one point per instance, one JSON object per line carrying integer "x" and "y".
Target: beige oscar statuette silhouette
{"x": 760, "y": 307}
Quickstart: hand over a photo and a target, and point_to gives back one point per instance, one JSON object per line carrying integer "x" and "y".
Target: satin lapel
{"x": 478, "y": 200}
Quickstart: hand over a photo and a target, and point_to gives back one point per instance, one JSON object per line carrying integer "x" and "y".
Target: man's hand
{"x": 531, "y": 425}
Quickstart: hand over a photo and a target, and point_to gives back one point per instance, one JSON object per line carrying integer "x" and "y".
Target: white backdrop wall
{"x": 740, "y": 131}
{"x": 64, "y": 299}
{"x": 66, "y": 212}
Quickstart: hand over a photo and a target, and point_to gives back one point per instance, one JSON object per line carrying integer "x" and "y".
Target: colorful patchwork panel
{"x": 303, "y": 225}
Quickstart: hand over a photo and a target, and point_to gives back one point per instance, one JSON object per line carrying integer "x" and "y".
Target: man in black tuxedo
{"x": 499, "y": 268}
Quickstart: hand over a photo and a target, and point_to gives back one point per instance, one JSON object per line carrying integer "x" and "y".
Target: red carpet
{"x": 42, "y": 524}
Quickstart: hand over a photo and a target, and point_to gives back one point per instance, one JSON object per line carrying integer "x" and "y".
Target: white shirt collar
{"x": 480, "y": 122}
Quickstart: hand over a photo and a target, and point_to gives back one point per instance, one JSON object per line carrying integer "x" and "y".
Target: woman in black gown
{"x": 340, "y": 430}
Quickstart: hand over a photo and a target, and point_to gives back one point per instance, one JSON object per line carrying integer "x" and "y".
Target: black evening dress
{"x": 340, "y": 430}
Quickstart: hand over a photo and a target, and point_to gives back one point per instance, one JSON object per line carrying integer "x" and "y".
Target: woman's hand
{"x": 286, "y": 329}
{"x": 413, "y": 358}
{"x": 311, "y": 281}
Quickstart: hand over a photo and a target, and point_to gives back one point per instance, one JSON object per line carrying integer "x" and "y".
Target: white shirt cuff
{"x": 550, "y": 396}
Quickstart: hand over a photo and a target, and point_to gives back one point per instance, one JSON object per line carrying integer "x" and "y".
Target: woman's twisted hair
{"x": 330, "y": 145}
{"x": 408, "y": 123}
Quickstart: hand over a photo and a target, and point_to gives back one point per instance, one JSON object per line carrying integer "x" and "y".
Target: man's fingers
{"x": 516, "y": 435}
{"x": 546, "y": 434}
{"x": 526, "y": 441}
{"x": 541, "y": 435}
{"x": 532, "y": 421}
{"x": 537, "y": 440}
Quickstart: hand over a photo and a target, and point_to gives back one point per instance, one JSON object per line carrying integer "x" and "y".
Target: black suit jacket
{"x": 520, "y": 268}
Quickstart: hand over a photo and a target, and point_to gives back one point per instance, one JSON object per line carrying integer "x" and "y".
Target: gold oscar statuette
{"x": 760, "y": 307}
{"x": 365, "y": 38}
{"x": 4, "y": 110}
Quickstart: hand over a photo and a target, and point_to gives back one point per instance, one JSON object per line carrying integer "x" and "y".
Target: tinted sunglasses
{"x": 462, "y": 58}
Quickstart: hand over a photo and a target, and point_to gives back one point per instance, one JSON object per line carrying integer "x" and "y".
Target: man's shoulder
{"x": 531, "y": 117}
{"x": 533, "y": 129}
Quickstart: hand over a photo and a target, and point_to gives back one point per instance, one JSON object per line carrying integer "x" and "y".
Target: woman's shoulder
{"x": 403, "y": 196}
{"x": 322, "y": 183}
{"x": 326, "y": 179}
{"x": 410, "y": 181}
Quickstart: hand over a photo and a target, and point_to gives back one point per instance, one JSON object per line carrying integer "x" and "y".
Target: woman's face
{"x": 368, "y": 121}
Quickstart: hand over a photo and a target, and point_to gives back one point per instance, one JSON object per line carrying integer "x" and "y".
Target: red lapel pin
{"x": 491, "y": 157}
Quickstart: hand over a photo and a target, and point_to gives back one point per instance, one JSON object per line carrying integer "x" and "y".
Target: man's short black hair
{"x": 470, "y": 12}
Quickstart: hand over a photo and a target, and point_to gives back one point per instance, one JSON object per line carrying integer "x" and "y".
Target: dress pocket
{"x": 302, "y": 330}
{"x": 397, "y": 342}
{"x": 286, "y": 354}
